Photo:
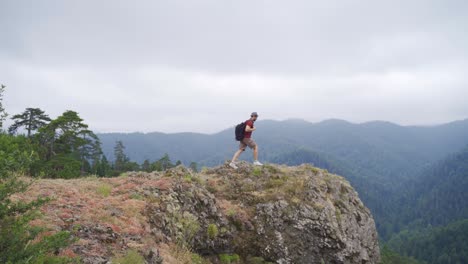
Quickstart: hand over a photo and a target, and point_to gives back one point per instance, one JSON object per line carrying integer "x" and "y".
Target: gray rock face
{"x": 336, "y": 233}
{"x": 276, "y": 213}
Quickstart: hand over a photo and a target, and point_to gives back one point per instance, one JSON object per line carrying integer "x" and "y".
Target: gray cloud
{"x": 203, "y": 65}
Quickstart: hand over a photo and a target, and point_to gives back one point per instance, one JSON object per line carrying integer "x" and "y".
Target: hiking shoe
{"x": 257, "y": 163}
{"x": 233, "y": 165}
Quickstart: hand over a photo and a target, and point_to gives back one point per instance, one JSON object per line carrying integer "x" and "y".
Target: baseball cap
{"x": 254, "y": 114}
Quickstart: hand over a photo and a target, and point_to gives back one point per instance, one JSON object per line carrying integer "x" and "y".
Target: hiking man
{"x": 247, "y": 141}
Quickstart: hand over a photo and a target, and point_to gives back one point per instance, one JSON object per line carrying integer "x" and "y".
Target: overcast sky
{"x": 203, "y": 66}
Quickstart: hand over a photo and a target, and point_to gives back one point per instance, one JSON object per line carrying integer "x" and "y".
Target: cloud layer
{"x": 205, "y": 65}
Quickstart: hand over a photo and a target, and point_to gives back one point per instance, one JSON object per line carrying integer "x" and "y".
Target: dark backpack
{"x": 240, "y": 130}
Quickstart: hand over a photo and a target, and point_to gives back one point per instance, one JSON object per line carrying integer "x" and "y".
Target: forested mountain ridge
{"x": 392, "y": 143}
{"x": 433, "y": 216}
{"x": 439, "y": 196}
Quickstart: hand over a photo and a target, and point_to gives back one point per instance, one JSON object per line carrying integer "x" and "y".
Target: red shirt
{"x": 249, "y": 123}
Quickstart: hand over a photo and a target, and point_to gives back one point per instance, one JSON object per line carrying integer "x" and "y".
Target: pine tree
{"x": 95, "y": 167}
{"x": 156, "y": 166}
{"x": 90, "y": 150}
{"x": 165, "y": 162}
{"x": 194, "y": 166}
{"x": 146, "y": 166}
{"x": 31, "y": 119}
{"x": 104, "y": 168}
{"x": 67, "y": 144}
{"x": 120, "y": 158}
{"x": 96, "y": 156}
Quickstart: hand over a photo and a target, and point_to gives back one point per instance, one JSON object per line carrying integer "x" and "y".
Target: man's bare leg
{"x": 236, "y": 155}
{"x": 255, "y": 153}
{"x": 233, "y": 161}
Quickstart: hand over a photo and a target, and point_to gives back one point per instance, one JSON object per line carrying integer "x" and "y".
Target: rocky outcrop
{"x": 281, "y": 214}
{"x": 268, "y": 214}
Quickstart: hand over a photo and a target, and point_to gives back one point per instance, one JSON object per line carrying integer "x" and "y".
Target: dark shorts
{"x": 247, "y": 142}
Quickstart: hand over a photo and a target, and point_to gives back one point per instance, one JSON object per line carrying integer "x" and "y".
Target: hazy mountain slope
{"x": 433, "y": 216}
{"x": 383, "y": 148}
{"x": 440, "y": 195}
{"x": 375, "y": 149}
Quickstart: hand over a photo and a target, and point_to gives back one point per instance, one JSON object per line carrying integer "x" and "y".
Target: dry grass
{"x": 233, "y": 210}
{"x": 92, "y": 201}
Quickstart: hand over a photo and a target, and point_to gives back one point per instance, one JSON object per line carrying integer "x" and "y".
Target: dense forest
{"x": 65, "y": 147}
{"x": 439, "y": 195}
{"x": 440, "y": 245}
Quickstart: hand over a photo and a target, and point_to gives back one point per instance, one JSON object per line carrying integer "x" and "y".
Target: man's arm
{"x": 249, "y": 129}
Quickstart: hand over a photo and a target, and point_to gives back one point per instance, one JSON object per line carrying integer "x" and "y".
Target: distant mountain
{"x": 302, "y": 155}
{"x": 342, "y": 139}
{"x": 380, "y": 159}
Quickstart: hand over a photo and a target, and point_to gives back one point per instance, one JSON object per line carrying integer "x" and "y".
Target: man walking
{"x": 247, "y": 142}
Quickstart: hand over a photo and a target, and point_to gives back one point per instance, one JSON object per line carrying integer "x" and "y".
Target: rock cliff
{"x": 269, "y": 214}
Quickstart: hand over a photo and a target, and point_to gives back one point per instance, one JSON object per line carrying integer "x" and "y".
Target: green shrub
{"x": 104, "y": 190}
{"x": 16, "y": 155}
{"x": 197, "y": 259}
{"x": 257, "y": 171}
{"x": 189, "y": 227}
{"x": 64, "y": 166}
{"x": 131, "y": 257}
{"x": 274, "y": 183}
{"x": 223, "y": 230}
{"x": 228, "y": 258}
{"x": 188, "y": 178}
{"x": 212, "y": 231}
{"x": 231, "y": 212}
